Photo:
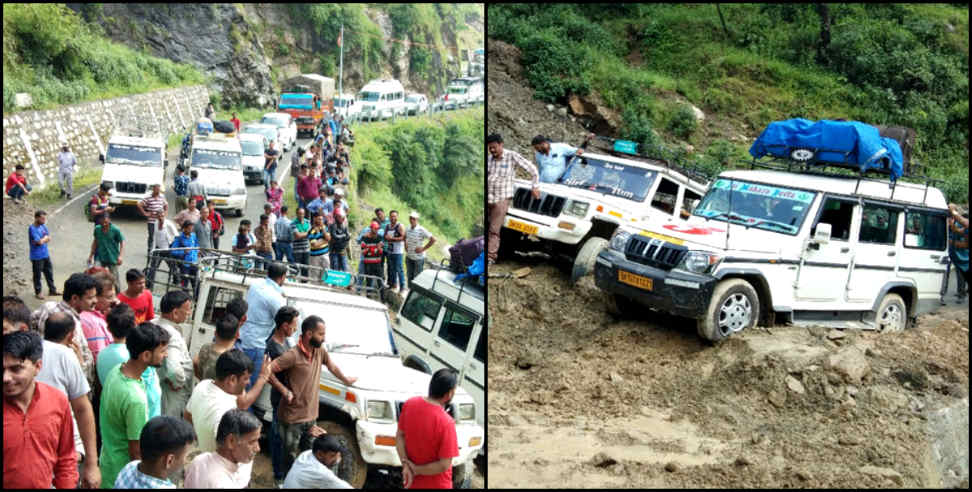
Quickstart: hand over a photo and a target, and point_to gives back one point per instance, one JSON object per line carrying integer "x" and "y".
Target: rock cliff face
{"x": 248, "y": 48}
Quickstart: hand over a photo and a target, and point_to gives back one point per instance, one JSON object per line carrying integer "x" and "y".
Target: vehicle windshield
{"x": 369, "y": 96}
{"x": 413, "y": 98}
{"x": 251, "y": 147}
{"x": 276, "y": 121}
{"x": 457, "y": 90}
{"x": 609, "y": 178}
{"x": 216, "y": 159}
{"x": 303, "y": 100}
{"x": 762, "y": 206}
{"x": 270, "y": 133}
{"x": 134, "y": 154}
{"x": 350, "y": 329}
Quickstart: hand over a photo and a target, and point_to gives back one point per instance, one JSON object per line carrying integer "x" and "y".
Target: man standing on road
{"x": 318, "y": 239}
{"x": 65, "y": 170}
{"x": 40, "y": 258}
{"x": 426, "y": 441}
{"x": 264, "y": 239}
{"x": 371, "y": 253}
{"x": 181, "y": 187}
{"x": 285, "y": 237}
{"x": 196, "y": 189}
{"x": 165, "y": 232}
{"x": 302, "y": 228}
{"x": 499, "y": 185}
{"x": 80, "y": 294}
{"x": 316, "y": 206}
{"x": 415, "y": 257}
{"x": 203, "y": 229}
{"x": 189, "y": 257}
{"x": 308, "y": 187}
{"x": 264, "y": 299}
{"x": 191, "y": 213}
{"x": 395, "y": 236}
{"x": 552, "y": 158}
{"x": 338, "y": 244}
{"x": 176, "y": 372}
{"x": 270, "y": 165}
{"x": 99, "y": 204}
{"x": 153, "y": 207}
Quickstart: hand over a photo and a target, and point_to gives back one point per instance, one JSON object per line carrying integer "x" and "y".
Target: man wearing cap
{"x": 152, "y": 208}
{"x": 499, "y": 185}
{"x": 65, "y": 170}
{"x": 415, "y": 252}
{"x": 336, "y": 203}
{"x": 552, "y": 157}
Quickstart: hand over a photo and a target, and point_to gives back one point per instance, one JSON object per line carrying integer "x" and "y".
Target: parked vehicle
{"x": 315, "y": 84}
{"x": 382, "y": 99}
{"x": 416, "y": 104}
{"x": 775, "y": 245}
{"x": 363, "y": 417}
{"x": 132, "y": 165}
{"x": 442, "y": 324}
{"x": 347, "y": 105}
{"x": 463, "y": 92}
{"x": 576, "y": 216}
{"x": 253, "y": 146}
{"x": 218, "y": 160}
{"x": 267, "y": 131}
{"x": 286, "y": 129}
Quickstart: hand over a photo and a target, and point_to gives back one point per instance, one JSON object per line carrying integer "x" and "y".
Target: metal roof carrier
{"x": 444, "y": 265}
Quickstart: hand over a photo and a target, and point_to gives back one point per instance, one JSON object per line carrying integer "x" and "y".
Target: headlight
{"x": 379, "y": 410}
{"x": 699, "y": 261}
{"x": 576, "y": 208}
{"x": 467, "y": 411}
{"x": 620, "y": 240}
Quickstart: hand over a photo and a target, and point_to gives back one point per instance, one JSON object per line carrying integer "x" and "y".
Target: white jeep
{"x": 364, "y": 417}
{"x": 770, "y": 245}
{"x": 597, "y": 193}
{"x": 132, "y": 165}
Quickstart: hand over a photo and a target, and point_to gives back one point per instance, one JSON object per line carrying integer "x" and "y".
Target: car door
{"x": 211, "y": 309}
{"x": 415, "y": 323}
{"x": 876, "y": 253}
{"x": 923, "y": 250}
{"x": 452, "y": 339}
{"x": 475, "y": 375}
{"x": 823, "y": 271}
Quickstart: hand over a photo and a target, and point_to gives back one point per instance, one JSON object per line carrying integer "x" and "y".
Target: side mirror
{"x": 822, "y": 233}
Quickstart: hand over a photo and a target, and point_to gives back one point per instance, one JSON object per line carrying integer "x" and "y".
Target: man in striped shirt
{"x": 152, "y": 207}
{"x": 499, "y": 185}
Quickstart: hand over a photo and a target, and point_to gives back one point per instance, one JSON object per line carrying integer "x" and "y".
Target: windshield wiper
{"x": 345, "y": 345}
{"x": 383, "y": 354}
{"x": 728, "y": 215}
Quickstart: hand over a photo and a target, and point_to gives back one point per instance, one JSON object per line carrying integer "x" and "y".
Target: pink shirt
{"x": 275, "y": 195}
{"x": 95, "y": 332}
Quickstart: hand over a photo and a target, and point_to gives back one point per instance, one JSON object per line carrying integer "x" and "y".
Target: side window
{"x": 665, "y": 197}
{"x": 924, "y": 230}
{"x": 879, "y": 224}
{"x": 689, "y": 201}
{"x": 480, "y": 353}
{"x": 457, "y": 327}
{"x": 838, "y": 213}
{"x": 219, "y": 297}
{"x": 421, "y": 309}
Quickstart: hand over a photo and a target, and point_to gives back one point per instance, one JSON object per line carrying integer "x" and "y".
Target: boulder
{"x": 699, "y": 115}
{"x": 23, "y": 100}
{"x": 851, "y": 363}
{"x": 795, "y": 385}
{"x": 877, "y": 471}
{"x": 603, "y": 460}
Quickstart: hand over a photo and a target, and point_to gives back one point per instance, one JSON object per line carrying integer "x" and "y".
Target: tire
{"x": 239, "y": 212}
{"x": 734, "y": 307}
{"x": 619, "y": 306}
{"x": 462, "y": 475}
{"x": 353, "y": 468}
{"x": 584, "y": 261}
{"x": 892, "y": 314}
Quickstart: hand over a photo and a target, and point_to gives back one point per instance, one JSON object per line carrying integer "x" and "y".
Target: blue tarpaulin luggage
{"x": 841, "y": 143}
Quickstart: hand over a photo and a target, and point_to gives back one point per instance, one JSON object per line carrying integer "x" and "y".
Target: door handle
{"x": 936, "y": 257}
{"x": 436, "y": 343}
{"x": 892, "y": 253}
{"x": 845, "y": 249}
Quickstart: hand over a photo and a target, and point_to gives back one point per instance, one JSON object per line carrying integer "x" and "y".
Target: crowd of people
{"x": 101, "y": 391}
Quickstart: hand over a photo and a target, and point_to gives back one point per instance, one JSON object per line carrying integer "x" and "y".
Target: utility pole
{"x": 341, "y": 69}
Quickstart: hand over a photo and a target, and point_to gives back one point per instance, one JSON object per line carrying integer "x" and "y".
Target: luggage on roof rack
{"x": 846, "y": 144}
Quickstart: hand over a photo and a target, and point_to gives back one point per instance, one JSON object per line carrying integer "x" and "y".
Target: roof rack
{"x": 693, "y": 172}
{"x": 444, "y": 265}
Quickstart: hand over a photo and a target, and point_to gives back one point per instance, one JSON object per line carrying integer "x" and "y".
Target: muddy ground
{"x": 578, "y": 398}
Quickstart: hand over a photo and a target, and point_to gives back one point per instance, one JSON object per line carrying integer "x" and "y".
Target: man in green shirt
{"x": 108, "y": 244}
{"x": 124, "y": 405}
{"x": 121, "y": 322}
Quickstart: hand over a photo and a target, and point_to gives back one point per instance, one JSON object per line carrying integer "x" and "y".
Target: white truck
{"x": 132, "y": 166}
{"x": 359, "y": 339}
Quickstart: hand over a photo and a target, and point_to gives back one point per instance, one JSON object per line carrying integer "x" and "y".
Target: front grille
{"x": 654, "y": 252}
{"x": 218, "y": 192}
{"x": 547, "y": 204}
{"x": 305, "y": 121}
{"x": 129, "y": 187}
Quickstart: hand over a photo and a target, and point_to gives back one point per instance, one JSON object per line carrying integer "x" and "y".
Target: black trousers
{"x": 43, "y": 265}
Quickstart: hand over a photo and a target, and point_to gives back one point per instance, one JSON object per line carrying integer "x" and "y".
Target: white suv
{"x": 218, "y": 160}
{"x": 798, "y": 247}
{"x": 286, "y": 129}
{"x": 596, "y": 194}
{"x": 132, "y": 166}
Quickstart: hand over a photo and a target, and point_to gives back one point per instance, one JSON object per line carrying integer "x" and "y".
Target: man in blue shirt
{"x": 316, "y": 206}
{"x": 552, "y": 158}
{"x": 190, "y": 256}
{"x": 40, "y": 259}
{"x": 264, "y": 299}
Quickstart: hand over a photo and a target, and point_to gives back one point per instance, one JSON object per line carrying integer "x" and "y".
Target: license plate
{"x": 520, "y": 226}
{"x": 635, "y": 280}
{"x": 217, "y": 201}
{"x": 655, "y": 235}
{"x": 129, "y": 202}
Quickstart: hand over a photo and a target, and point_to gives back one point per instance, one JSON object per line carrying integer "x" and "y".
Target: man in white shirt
{"x": 312, "y": 469}
{"x": 65, "y": 170}
{"x": 165, "y": 232}
{"x": 176, "y": 372}
{"x": 230, "y": 466}
{"x": 415, "y": 252}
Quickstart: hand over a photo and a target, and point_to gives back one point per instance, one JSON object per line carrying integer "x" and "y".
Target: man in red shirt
{"x": 236, "y": 122}
{"x": 426, "y": 440}
{"x": 17, "y": 186}
{"x": 138, "y": 297}
{"x": 38, "y": 430}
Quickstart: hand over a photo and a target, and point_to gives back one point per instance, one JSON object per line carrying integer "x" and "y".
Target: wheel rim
{"x": 735, "y": 313}
{"x": 891, "y": 318}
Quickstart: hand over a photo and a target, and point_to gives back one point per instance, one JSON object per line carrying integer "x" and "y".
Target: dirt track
{"x": 578, "y": 398}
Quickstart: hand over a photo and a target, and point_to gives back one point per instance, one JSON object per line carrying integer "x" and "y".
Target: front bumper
{"x": 127, "y": 198}
{"x": 231, "y": 202}
{"x": 549, "y": 228}
{"x": 252, "y": 174}
{"x": 676, "y": 292}
{"x": 378, "y": 454}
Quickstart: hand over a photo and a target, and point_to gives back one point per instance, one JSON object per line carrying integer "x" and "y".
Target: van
{"x": 442, "y": 324}
{"x": 132, "y": 166}
{"x": 219, "y": 161}
{"x": 463, "y": 92}
{"x": 347, "y": 105}
{"x": 382, "y": 99}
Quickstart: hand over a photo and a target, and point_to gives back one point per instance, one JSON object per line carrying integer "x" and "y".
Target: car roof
{"x": 217, "y": 142}
{"x": 259, "y": 125}
{"x": 274, "y": 115}
{"x": 382, "y": 85}
{"x": 140, "y": 141}
{"x": 904, "y": 192}
{"x": 467, "y": 293}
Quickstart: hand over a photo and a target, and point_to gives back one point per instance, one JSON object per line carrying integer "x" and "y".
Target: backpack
{"x": 476, "y": 270}
{"x": 464, "y": 252}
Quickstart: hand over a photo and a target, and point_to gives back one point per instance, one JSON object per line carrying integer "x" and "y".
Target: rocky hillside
{"x": 248, "y": 48}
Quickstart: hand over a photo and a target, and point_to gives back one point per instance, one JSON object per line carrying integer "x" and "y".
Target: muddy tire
{"x": 584, "y": 261}
{"x": 353, "y": 468}
{"x": 892, "y": 314}
{"x": 734, "y": 307}
{"x": 462, "y": 475}
{"x": 619, "y": 306}
{"x": 509, "y": 242}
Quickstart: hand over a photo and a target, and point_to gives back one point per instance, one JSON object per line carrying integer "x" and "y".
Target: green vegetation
{"x": 49, "y": 52}
{"x": 887, "y": 64}
{"x": 361, "y": 34}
